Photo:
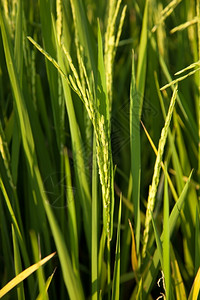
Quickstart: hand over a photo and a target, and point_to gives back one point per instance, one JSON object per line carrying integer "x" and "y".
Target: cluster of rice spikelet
{"x": 101, "y": 129}
{"x": 86, "y": 91}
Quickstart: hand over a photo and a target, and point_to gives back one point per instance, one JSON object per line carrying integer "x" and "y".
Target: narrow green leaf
{"x": 195, "y": 287}
{"x": 153, "y": 269}
{"x": 116, "y": 275}
{"x": 18, "y": 265}
{"x": 71, "y": 209}
{"x": 135, "y": 115}
{"x": 44, "y": 293}
{"x": 23, "y": 275}
{"x": 37, "y": 256}
{"x": 177, "y": 278}
{"x": 134, "y": 259}
{"x": 84, "y": 32}
{"x": 197, "y": 241}
{"x": 95, "y": 227}
{"x": 158, "y": 241}
{"x": 18, "y": 51}
{"x": 166, "y": 242}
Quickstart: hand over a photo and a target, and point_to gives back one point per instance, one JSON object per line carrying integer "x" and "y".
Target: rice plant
{"x": 100, "y": 149}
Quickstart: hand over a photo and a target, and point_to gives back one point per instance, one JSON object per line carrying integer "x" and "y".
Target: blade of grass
{"x": 71, "y": 209}
{"x": 197, "y": 241}
{"x": 18, "y": 265}
{"x": 116, "y": 274}
{"x": 153, "y": 269}
{"x": 95, "y": 227}
{"x": 44, "y": 293}
{"x": 72, "y": 280}
{"x": 158, "y": 241}
{"x": 134, "y": 260}
{"x": 198, "y": 103}
{"x": 155, "y": 180}
{"x": 49, "y": 45}
{"x": 195, "y": 287}
{"x": 166, "y": 243}
{"x": 19, "y": 41}
{"x": 135, "y": 115}
{"x": 177, "y": 278}
{"x": 37, "y": 257}
{"x": 23, "y": 275}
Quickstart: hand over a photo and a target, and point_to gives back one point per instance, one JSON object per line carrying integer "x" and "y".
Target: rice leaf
{"x": 116, "y": 274}
{"x": 37, "y": 257}
{"x": 18, "y": 265}
{"x": 48, "y": 282}
{"x": 177, "y": 278}
{"x": 135, "y": 115}
{"x": 23, "y": 275}
{"x": 195, "y": 287}
{"x": 150, "y": 278}
{"x": 197, "y": 241}
{"x": 158, "y": 241}
{"x": 95, "y": 227}
{"x": 166, "y": 243}
{"x": 134, "y": 260}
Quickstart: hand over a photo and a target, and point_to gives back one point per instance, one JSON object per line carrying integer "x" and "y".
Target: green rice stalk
{"x": 177, "y": 278}
{"x": 166, "y": 12}
{"x": 41, "y": 295}
{"x": 111, "y": 42}
{"x": 175, "y": 213}
{"x": 158, "y": 241}
{"x": 95, "y": 227}
{"x": 80, "y": 167}
{"x": 6, "y": 156}
{"x": 18, "y": 265}
{"x": 184, "y": 25}
{"x": 135, "y": 115}
{"x": 173, "y": 82}
{"x": 197, "y": 240}
{"x": 119, "y": 31}
{"x": 116, "y": 275}
{"x": 198, "y": 105}
{"x": 71, "y": 211}
{"x": 188, "y": 117}
{"x": 23, "y": 275}
{"x": 35, "y": 242}
{"x": 101, "y": 129}
{"x": 10, "y": 209}
{"x": 166, "y": 242}
{"x": 153, "y": 187}
{"x": 194, "y": 292}
{"x": 83, "y": 34}
{"x": 59, "y": 20}
{"x": 193, "y": 65}
{"x": 162, "y": 165}
{"x": 18, "y": 50}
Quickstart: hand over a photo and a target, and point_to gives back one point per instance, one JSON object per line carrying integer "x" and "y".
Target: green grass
{"x": 99, "y": 149}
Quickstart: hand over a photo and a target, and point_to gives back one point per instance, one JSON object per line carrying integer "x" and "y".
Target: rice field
{"x": 100, "y": 149}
